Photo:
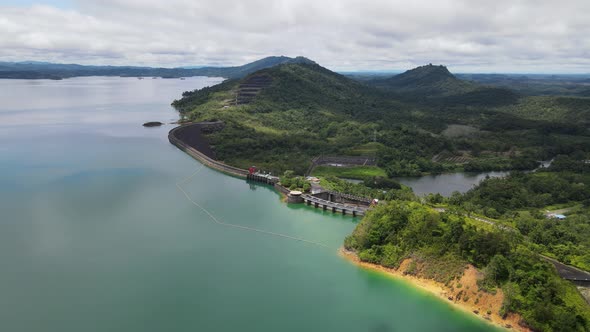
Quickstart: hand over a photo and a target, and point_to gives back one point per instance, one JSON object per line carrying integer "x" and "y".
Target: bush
{"x": 412, "y": 268}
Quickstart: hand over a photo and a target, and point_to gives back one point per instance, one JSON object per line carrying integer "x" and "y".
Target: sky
{"x": 509, "y": 36}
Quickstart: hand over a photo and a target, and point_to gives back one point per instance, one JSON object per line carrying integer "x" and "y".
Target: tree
{"x": 498, "y": 270}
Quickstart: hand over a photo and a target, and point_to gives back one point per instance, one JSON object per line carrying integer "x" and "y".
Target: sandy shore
{"x": 463, "y": 294}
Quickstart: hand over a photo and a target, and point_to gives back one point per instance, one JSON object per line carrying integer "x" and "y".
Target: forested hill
{"x": 281, "y": 117}
{"x": 303, "y": 110}
{"x": 426, "y": 80}
{"x": 244, "y": 70}
{"x": 45, "y": 70}
{"x": 302, "y": 86}
{"x": 418, "y": 241}
{"x": 437, "y": 86}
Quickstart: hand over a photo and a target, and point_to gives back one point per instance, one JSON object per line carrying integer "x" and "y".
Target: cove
{"x": 95, "y": 235}
{"x": 446, "y": 183}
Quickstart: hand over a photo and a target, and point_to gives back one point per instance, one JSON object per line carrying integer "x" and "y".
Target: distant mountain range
{"x": 429, "y": 83}
{"x": 46, "y": 70}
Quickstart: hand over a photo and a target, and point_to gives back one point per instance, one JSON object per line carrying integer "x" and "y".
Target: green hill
{"x": 299, "y": 86}
{"x": 428, "y": 81}
{"x": 244, "y": 70}
{"x": 439, "y": 246}
{"x": 572, "y": 110}
{"x": 480, "y": 96}
{"x": 436, "y": 86}
{"x": 302, "y": 111}
{"x": 279, "y": 118}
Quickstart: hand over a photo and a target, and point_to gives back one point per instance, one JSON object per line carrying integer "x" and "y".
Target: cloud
{"x": 503, "y": 35}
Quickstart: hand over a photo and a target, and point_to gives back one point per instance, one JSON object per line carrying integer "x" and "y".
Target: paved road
{"x": 569, "y": 272}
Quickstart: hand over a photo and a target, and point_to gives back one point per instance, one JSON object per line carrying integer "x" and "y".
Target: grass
{"x": 574, "y": 298}
{"x": 442, "y": 269}
{"x": 580, "y": 263}
{"x": 367, "y": 149}
{"x": 480, "y": 224}
{"x": 355, "y": 172}
{"x": 263, "y": 129}
{"x": 569, "y": 205}
{"x": 575, "y": 261}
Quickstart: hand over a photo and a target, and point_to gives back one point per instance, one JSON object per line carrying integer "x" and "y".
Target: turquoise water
{"x": 95, "y": 236}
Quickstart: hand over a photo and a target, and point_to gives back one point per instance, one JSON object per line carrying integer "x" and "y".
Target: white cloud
{"x": 503, "y": 35}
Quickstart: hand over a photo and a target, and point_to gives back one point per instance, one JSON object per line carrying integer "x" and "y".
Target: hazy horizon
{"x": 358, "y": 71}
{"x": 350, "y": 35}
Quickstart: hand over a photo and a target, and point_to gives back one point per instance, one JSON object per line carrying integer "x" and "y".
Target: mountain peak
{"x": 429, "y": 71}
{"x": 302, "y": 59}
{"x": 428, "y": 81}
{"x": 268, "y": 62}
{"x": 283, "y": 59}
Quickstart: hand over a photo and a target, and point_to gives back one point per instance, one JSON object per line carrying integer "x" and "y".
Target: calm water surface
{"x": 95, "y": 236}
{"x": 446, "y": 184}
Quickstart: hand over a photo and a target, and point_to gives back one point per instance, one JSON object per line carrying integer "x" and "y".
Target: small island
{"x": 152, "y": 124}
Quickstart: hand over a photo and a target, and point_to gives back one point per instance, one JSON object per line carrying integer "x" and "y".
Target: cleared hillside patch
{"x": 354, "y": 172}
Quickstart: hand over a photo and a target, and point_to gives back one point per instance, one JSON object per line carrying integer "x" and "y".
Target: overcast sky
{"x": 466, "y": 35}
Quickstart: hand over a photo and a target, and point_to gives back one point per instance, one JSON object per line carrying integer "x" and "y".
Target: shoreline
{"x": 188, "y": 138}
{"x": 431, "y": 286}
{"x": 446, "y": 293}
{"x": 197, "y": 150}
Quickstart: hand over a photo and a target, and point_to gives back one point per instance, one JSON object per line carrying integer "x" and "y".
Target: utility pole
{"x": 374, "y": 135}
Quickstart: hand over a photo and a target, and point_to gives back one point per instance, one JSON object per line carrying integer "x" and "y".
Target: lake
{"x": 445, "y": 184}
{"x": 96, "y": 236}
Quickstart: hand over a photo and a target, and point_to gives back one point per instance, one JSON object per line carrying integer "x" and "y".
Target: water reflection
{"x": 446, "y": 184}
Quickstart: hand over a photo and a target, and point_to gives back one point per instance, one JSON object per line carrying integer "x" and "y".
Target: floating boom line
{"x": 245, "y": 228}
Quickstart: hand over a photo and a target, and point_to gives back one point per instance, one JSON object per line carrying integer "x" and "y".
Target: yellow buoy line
{"x": 245, "y": 228}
